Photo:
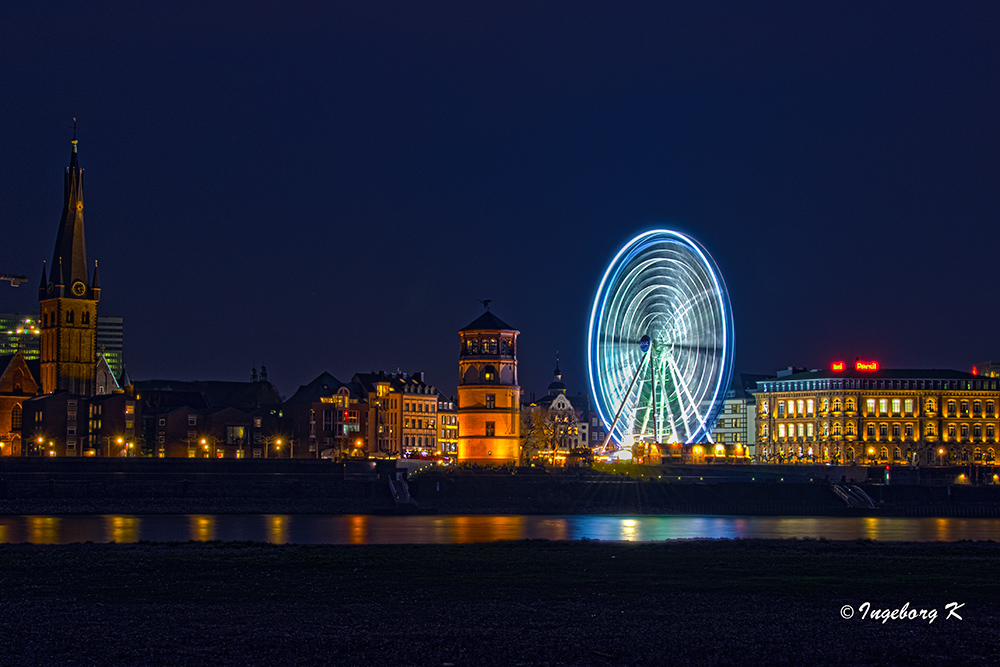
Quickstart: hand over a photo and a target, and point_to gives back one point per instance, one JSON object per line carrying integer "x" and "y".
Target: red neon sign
{"x": 837, "y": 366}
{"x": 975, "y": 371}
{"x": 866, "y": 365}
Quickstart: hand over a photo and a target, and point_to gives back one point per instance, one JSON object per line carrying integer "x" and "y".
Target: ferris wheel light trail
{"x": 661, "y": 302}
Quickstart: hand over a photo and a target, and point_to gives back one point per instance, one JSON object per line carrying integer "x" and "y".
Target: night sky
{"x": 335, "y": 188}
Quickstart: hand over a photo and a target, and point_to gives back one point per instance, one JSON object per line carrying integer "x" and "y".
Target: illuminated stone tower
{"x": 68, "y": 299}
{"x": 489, "y": 399}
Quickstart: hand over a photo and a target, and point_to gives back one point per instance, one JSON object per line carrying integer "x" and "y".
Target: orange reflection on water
{"x": 277, "y": 528}
{"x": 122, "y": 528}
{"x": 43, "y": 529}
{"x": 471, "y": 529}
{"x": 202, "y": 527}
{"x": 357, "y": 529}
{"x": 871, "y": 527}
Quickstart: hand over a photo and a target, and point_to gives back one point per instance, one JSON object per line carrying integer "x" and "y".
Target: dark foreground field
{"x": 519, "y": 603}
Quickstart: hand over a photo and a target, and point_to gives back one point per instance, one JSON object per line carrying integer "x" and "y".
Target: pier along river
{"x": 467, "y": 529}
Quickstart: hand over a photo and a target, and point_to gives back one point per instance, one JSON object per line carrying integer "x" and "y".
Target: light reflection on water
{"x": 465, "y": 529}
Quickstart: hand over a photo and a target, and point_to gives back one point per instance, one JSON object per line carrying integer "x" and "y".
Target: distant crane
{"x": 14, "y": 280}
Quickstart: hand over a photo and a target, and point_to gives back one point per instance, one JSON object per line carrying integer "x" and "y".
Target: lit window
{"x": 809, "y": 430}
{"x": 802, "y": 407}
{"x": 781, "y": 430}
{"x": 810, "y": 406}
{"x": 896, "y": 406}
{"x": 801, "y": 430}
{"x": 908, "y": 406}
{"x": 870, "y": 406}
{"x": 883, "y": 406}
{"x": 491, "y": 401}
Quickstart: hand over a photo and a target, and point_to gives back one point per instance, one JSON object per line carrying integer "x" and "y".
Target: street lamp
{"x": 267, "y": 441}
{"x": 120, "y": 443}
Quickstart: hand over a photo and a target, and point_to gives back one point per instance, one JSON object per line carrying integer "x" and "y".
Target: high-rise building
{"x": 20, "y": 333}
{"x": 111, "y": 342}
{"x": 489, "y": 398}
{"x": 68, "y": 298}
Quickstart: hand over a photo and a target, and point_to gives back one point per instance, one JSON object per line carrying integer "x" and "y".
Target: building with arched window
{"x": 876, "y": 417}
{"x": 489, "y": 398}
{"x": 17, "y": 384}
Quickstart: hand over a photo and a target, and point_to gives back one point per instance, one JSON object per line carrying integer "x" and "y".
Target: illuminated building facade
{"x": 554, "y": 425}
{"x": 111, "y": 343}
{"x": 68, "y": 300}
{"x": 734, "y": 433}
{"x": 20, "y": 333}
{"x": 489, "y": 398}
{"x": 329, "y": 416}
{"x": 402, "y": 414}
{"x": 871, "y": 416}
{"x": 447, "y": 427}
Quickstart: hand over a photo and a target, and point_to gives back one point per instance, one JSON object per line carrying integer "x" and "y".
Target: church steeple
{"x": 68, "y": 300}
{"x": 69, "y": 258}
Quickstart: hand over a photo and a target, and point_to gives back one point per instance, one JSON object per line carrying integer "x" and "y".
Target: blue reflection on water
{"x": 464, "y": 529}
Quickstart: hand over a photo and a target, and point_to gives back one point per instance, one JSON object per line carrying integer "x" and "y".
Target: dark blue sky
{"x": 335, "y": 188}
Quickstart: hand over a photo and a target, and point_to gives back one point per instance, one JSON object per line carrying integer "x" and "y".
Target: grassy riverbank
{"x": 516, "y": 603}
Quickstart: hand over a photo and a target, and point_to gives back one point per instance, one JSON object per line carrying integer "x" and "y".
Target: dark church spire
{"x": 43, "y": 283}
{"x": 70, "y": 255}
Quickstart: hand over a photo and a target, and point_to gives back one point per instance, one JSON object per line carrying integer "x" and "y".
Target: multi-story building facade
{"x": 447, "y": 427}
{"x": 20, "y": 333}
{"x": 402, "y": 414}
{"x": 554, "y": 425}
{"x": 489, "y": 398}
{"x": 735, "y": 429}
{"x": 329, "y": 418}
{"x": 111, "y": 342}
{"x": 64, "y": 424}
{"x": 866, "y": 415}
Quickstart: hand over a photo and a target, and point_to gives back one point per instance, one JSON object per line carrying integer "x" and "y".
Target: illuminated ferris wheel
{"x": 661, "y": 341}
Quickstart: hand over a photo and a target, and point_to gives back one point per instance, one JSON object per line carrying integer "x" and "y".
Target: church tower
{"x": 489, "y": 399}
{"x": 68, "y": 299}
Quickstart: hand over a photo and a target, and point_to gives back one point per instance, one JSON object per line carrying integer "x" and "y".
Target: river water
{"x": 464, "y": 529}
